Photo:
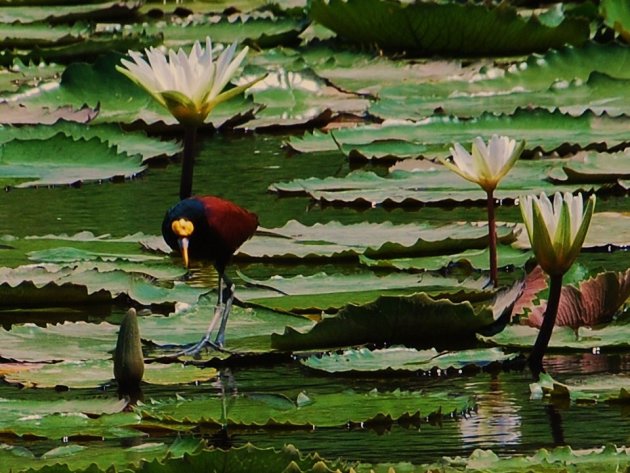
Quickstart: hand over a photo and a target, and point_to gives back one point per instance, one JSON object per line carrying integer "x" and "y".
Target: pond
{"x": 241, "y": 167}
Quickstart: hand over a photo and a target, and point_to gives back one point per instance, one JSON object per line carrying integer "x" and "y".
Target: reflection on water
{"x": 497, "y": 421}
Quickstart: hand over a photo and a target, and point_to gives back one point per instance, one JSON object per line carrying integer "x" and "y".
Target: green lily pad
{"x": 616, "y": 15}
{"x": 437, "y": 185}
{"x": 19, "y": 75}
{"x": 33, "y": 285}
{"x": 69, "y": 13}
{"x": 28, "y": 35}
{"x": 409, "y": 320}
{"x": 404, "y": 359}
{"x": 125, "y": 142}
{"x": 556, "y": 460}
{"x": 79, "y": 456}
{"x": 594, "y": 388}
{"x": 324, "y": 410}
{"x": 522, "y": 337}
{"x": 330, "y": 292}
{"x": 591, "y": 167}
{"x": 548, "y": 131}
{"x": 62, "y": 160}
{"x": 248, "y": 330}
{"x": 453, "y": 29}
{"x": 64, "y": 342}
{"x": 334, "y": 240}
{"x": 95, "y": 373}
{"x": 475, "y": 259}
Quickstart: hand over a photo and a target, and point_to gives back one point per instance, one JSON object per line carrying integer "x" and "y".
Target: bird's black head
{"x": 180, "y": 224}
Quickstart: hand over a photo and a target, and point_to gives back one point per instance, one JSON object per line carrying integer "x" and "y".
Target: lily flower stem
{"x": 188, "y": 162}
{"x": 492, "y": 237}
{"x": 549, "y": 320}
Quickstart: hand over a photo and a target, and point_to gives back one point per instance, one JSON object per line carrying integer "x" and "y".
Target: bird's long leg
{"x": 219, "y": 311}
{"x": 227, "y": 294}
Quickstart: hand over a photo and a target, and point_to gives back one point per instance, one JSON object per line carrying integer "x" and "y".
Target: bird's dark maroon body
{"x": 221, "y": 227}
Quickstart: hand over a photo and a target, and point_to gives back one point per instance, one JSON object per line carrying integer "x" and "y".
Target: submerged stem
{"x": 188, "y": 162}
{"x": 492, "y": 237}
{"x": 549, "y": 320}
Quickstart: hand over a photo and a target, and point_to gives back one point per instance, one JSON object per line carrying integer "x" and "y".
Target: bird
{"x": 210, "y": 228}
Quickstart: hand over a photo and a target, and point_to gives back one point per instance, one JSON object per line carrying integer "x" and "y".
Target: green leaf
{"x": 409, "y": 320}
{"x": 95, "y": 373}
{"x": 522, "y": 337}
{"x": 453, "y": 29}
{"x": 404, "y": 359}
{"x": 334, "y": 240}
{"x": 585, "y": 389}
{"x": 616, "y": 15}
{"x": 326, "y": 410}
{"x": 331, "y": 292}
{"x": 473, "y": 259}
{"x": 62, "y": 160}
{"x": 68, "y": 13}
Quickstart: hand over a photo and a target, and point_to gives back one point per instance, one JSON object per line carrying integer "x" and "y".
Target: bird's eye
{"x": 182, "y": 227}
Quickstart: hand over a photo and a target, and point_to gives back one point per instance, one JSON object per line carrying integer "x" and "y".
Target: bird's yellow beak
{"x": 183, "y": 228}
{"x": 183, "y": 248}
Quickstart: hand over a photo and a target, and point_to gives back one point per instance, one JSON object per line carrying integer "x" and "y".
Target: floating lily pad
{"x": 334, "y": 240}
{"x": 324, "y": 292}
{"x": 595, "y": 388}
{"x": 69, "y": 13}
{"x": 475, "y": 259}
{"x": 548, "y": 131}
{"x": 614, "y": 335}
{"x": 61, "y": 160}
{"x": 616, "y": 15}
{"x": 409, "y": 320}
{"x": 321, "y": 410}
{"x": 437, "y": 185}
{"x": 95, "y": 373}
{"x": 404, "y": 359}
{"x": 430, "y": 28}
{"x": 79, "y": 456}
{"x": 591, "y": 167}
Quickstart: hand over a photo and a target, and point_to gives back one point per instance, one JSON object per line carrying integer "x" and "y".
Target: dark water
{"x": 241, "y": 168}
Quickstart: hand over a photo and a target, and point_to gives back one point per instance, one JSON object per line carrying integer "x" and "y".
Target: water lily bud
{"x": 128, "y": 357}
{"x": 556, "y": 230}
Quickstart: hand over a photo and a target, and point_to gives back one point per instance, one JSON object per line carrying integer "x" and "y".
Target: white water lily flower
{"x": 188, "y": 85}
{"x": 489, "y": 163}
{"x": 556, "y": 230}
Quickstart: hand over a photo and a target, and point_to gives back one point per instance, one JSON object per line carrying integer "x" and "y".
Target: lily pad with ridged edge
{"x": 599, "y": 94}
{"x": 335, "y": 240}
{"x": 95, "y": 373}
{"x": 541, "y": 129}
{"x": 123, "y": 142}
{"x": 296, "y": 97}
{"x": 437, "y": 185}
{"x": 99, "y": 418}
{"x": 614, "y": 335}
{"x": 63, "y": 342}
{"x": 18, "y": 76}
{"x": 613, "y": 388}
{"x": 19, "y": 35}
{"x": 62, "y": 160}
{"x": 263, "y": 29}
{"x": 92, "y": 11}
{"x": 408, "y": 320}
{"x": 323, "y": 410}
{"x": 38, "y": 285}
{"x": 430, "y": 28}
{"x": 592, "y": 167}
{"x": 474, "y": 259}
{"x": 330, "y": 292}
{"x": 80, "y": 456}
{"x": 404, "y": 359}
{"x": 248, "y": 330}
{"x": 556, "y": 460}
{"x": 616, "y": 14}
